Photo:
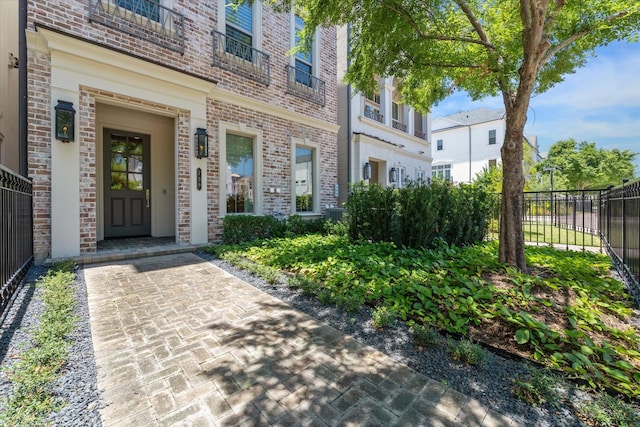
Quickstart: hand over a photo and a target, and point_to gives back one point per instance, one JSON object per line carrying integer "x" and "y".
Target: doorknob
{"x": 148, "y": 194}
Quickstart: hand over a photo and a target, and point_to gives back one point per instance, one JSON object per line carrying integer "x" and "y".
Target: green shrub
{"x": 306, "y": 285}
{"x": 383, "y": 317}
{"x": 246, "y": 228}
{"x": 539, "y": 387}
{"x": 609, "y": 411}
{"x": 466, "y": 351}
{"x": 425, "y": 335}
{"x": 299, "y": 226}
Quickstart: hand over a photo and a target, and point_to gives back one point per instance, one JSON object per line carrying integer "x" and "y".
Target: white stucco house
{"x": 381, "y": 140}
{"x": 467, "y": 142}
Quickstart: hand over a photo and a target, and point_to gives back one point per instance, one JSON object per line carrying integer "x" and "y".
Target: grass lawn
{"x": 569, "y": 313}
{"x": 540, "y": 232}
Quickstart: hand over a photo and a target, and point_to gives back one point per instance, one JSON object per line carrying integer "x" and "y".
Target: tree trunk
{"x": 511, "y": 249}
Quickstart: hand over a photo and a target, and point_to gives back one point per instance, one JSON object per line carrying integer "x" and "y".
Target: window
{"x": 420, "y": 176}
{"x": 493, "y": 163}
{"x": 147, "y": 8}
{"x": 439, "y": 145}
{"x": 304, "y": 179}
{"x": 240, "y": 157}
{"x": 239, "y": 30}
{"x": 304, "y": 59}
{"x": 394, "y": 111}
{"x": 492, "y": 137}
{"x": 441, "y": 172}
{"x": 240, "y": 174}
{"x": 402, "y": 176}
{"x": 306, "y": 176}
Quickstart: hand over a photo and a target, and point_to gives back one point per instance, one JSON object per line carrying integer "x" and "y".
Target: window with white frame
{"x": 306, "y": 179}
{"x": 439, "y": 145}
{"x": 303, "y": 59}
{"x": 239, "y": 29}
{"x": 402, "y": 176}
{"x": 441, "y": 172}
{"x": 420, "y": 176}
{"x": 492, "y": 137}
{"x": 241, "y": 170}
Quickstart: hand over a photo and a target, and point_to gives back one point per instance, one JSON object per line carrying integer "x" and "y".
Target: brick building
{"x": 144, "y": 79}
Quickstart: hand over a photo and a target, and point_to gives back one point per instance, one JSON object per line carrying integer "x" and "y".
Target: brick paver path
{"x": 179, "y": 341}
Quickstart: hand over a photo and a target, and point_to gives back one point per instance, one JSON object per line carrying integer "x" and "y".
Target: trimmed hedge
{"x": 247, "y": 228}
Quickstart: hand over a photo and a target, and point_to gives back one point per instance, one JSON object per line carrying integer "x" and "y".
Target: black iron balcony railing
{"x": 373, "y": 114}
{"x": 144, "y": 19}
{"x": 399, "y": 125}
{"x": 232, "y": 55}
{"x": 420, "y": 134}
{"x": 306, "y": 86}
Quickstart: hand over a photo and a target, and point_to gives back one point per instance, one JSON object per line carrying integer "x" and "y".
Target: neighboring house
{"x": 9, "y": 60}
{"x": 381, "y": 140}
{"x": 148, "y": 81}
{"x": 467, "y": 142}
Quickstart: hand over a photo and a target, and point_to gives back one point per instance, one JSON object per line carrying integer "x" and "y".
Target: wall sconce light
{"x": 366, "y": 171}
{"x": 202, "y": 143}
{"x": 65, "y": 121}
{"x": 393, "y": 175}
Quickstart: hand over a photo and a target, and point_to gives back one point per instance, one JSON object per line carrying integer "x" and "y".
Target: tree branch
{"x": 553, "y": 50}
{"x": 474, "y": 21}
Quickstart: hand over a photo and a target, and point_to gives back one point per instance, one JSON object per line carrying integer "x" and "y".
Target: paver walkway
{"x": 179, "y": 341}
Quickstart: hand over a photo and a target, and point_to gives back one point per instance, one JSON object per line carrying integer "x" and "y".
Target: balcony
{"x": 373, "y": 114}
{"x": 420, "y": 134}
{"x": 144, "y": 19}
{"x": 399, "y": 125}
{"x": 305, "y": 86}
{"x": 232, "y": 55}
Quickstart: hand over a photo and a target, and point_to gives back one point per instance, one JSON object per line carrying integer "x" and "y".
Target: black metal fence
{"x": 16, "y": 232}
{"x": 569, "y": 219}
{"x": 620, "y": 231}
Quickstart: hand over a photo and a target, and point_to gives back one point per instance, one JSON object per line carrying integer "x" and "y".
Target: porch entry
{"x": 127, "y": 188}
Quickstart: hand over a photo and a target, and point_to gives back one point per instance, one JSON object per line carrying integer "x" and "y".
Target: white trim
{"x": 306, "y": 143}
{"x": 366, "y": 139}
{"x": 392, "y": 130}
{"x": 232, "y": 98}
{"x": 243, "y": 130}
{"x": 315, "y": 45}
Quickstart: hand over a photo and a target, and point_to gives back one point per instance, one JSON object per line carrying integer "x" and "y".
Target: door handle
{"x": 148, "y": 194}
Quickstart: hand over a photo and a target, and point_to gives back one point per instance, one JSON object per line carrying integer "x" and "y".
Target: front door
{"x": 127, "y": 184}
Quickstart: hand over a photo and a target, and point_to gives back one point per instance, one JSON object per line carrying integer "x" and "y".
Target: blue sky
{"x": 599, "y": 103}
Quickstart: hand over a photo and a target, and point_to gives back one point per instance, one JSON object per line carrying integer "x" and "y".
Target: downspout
{"x": 349, "y": 136}
{"x": 23, "y": 162}
{"x": 469, "y": 153}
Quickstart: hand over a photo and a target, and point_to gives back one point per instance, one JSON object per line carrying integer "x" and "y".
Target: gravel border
{"x": 77, "y": 385}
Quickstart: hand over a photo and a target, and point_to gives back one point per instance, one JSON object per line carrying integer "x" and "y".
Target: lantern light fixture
{"x": 202, "y": 143}
{"x": 65, "y": 121}
{"x": 366, "y": 171}
{"x": 393, "y": 175}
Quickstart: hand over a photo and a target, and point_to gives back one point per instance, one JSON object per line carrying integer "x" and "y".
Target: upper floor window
{"x": 239, "y": 29}
{"x": 439, "y": 145}
{"x": 146, "y": 8}
{"x": 492, "y": 137}
{"x": 303, "y": 58}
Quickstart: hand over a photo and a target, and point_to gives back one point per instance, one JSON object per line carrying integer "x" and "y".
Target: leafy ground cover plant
{"x": 569, "y": 313}
{"x": 31, "y": 398}
{"x": 609, "y": 411}
{"x": 467, "y": 351}
{"x": 540, "y": 386}
{"x": 383, "y": 317}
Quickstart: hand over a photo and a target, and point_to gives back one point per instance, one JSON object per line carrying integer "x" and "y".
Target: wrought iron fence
{"x": 145, "y": 19}
{"x": 232, "y": 55}
{"x": 306, "y": 86}
{"x": 16, "y": 232}
{"x": 620, "y": 231}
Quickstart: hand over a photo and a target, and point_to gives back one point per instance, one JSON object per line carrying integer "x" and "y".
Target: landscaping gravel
{"x": 76, "y": 388}
{"x": 490, "y": 384}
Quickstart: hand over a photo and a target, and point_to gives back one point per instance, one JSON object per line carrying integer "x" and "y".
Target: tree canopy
{"x": 585, "y": 166}
{"x": 484, "y": 47}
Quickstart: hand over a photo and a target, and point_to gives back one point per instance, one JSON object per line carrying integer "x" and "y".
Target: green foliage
{"x": 585, "y": 166}
{"x": 31, "y": 398}
{"x": 419, "y": 215}
{"x": 425, "y": 335}
{"x": 246, "y": 228}
{"x": 383, "y": 317}
{"x": 466, "y": 351}
{"x": 609, "y": 411}
{"x": 451, "y": 288}
{"x": 538, "y": 387}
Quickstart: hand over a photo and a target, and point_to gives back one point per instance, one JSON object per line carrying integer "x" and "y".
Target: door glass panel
{"x": 126, "y": 163}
